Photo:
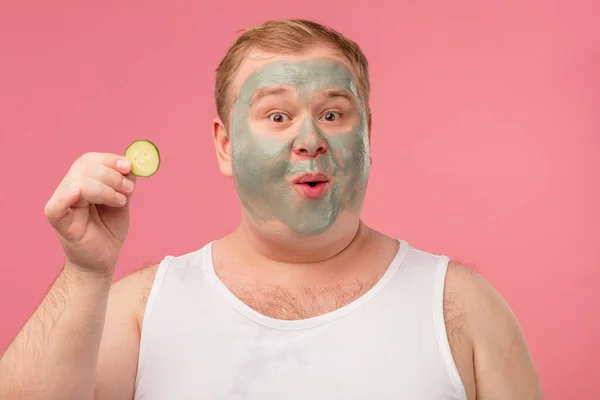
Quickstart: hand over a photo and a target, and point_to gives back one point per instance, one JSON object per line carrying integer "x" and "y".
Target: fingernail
{"x": 123, "y": 165}
{"x": 127, "y": 184}
{"x": 121, "y": 198}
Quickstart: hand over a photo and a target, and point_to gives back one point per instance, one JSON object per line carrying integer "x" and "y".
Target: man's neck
{"x": 295, "y": 249}
{"x": 321, "y": 282}
{"x": 311, "y": 259}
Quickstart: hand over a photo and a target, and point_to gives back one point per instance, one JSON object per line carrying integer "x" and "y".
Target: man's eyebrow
{"x": 330, "y": 94}
{"x": 268, "y": 91}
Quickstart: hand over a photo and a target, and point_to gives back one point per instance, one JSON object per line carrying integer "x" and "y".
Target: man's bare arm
{"x": 119, "y": 348}
{"x": 55, "y": 354}
{"x": 503, "y": 366}
{"x": 81, "y": 343}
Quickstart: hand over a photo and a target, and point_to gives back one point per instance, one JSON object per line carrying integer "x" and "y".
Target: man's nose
{"x": 310, "y": 142}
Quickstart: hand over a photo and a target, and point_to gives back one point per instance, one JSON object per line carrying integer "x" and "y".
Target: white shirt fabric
{"x": 199, "y": 341}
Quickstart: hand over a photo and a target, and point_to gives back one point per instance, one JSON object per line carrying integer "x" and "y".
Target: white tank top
{"x": 199, "y": 341}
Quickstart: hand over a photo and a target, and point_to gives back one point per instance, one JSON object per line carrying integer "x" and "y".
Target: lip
{"x": 315, "y": 190}
{"x": 320, "y": 177}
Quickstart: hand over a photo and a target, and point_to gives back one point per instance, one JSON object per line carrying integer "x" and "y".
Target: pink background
{"x": 485, "y": 145}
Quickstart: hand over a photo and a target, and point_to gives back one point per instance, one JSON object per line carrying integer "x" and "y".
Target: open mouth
{"x": 312, "y": 185}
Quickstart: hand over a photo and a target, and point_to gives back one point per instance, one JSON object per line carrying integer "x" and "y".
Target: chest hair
{"x": 298, "y": 303}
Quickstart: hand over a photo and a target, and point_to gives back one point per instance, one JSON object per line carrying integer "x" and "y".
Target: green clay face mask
{"x": 287, "y": 137}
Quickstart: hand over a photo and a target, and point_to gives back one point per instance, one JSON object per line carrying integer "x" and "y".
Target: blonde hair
{"x": 285, "y": 36}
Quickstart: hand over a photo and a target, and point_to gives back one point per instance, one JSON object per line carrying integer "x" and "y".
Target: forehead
{"x": 317, "y": 69}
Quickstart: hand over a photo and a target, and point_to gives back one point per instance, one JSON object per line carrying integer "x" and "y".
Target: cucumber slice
{"x": 144, "y": 157}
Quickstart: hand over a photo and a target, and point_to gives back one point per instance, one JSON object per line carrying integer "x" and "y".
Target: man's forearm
{"x": 55, "y": 354}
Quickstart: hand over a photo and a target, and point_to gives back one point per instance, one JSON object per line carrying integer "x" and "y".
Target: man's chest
{"x": 384, "y": 349}
{"x": 359, "y": 360}
{"x": 298, "y": 302}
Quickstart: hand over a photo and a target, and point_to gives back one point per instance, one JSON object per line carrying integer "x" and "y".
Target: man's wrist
{"x": 80, "y": 274}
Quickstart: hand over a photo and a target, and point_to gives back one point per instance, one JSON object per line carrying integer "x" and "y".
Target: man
{"x": 302, "y": 300}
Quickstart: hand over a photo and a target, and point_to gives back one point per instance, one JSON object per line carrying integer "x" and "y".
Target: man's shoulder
{"x": 477, "y": 314}
{"x": 468, "y": 291}
{"x": 463, "y": 281}
{"x": 488, "y": 318}
{"x": 138, "y": 279}
{"x": 471, "y": 302}
{"x": 132, "y": 290}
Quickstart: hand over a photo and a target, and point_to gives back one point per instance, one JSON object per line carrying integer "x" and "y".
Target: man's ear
{"x": 222, "y": 142}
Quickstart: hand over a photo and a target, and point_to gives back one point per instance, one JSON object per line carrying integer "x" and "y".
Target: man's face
{"x": 300, "y": 142}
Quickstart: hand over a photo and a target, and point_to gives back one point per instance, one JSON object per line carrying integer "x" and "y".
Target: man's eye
{"x": 331, "y": 116}
{"x": 278, "y": 117}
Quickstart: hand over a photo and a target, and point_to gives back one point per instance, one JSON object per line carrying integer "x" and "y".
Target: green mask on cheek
{"x": 262, "y": 161}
